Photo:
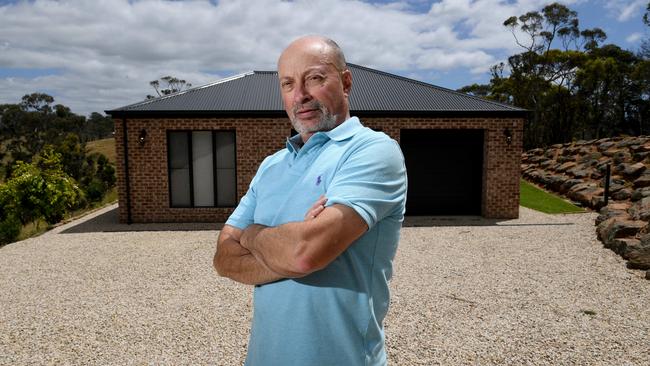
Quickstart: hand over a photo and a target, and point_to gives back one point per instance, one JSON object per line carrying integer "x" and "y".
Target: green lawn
{"x": 540, "y": 200}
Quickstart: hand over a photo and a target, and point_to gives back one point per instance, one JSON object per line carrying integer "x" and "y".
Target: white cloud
{"x": 106, "y": 51}
{"x": 625, "y": 10}
{"x": 634, "y": 37}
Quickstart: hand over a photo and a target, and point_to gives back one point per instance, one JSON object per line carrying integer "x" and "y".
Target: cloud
{"x": 625, "y": 10}
{"x": 634, "y": 37}
{"x": 106, "y": 51}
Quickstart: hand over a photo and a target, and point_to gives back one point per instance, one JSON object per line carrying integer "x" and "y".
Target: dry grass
{"x": 104, "y": 146}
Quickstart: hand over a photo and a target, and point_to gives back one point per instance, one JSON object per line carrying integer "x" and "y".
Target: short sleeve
{"x": 372, "y": 181}
{"x": 244, "y": 214}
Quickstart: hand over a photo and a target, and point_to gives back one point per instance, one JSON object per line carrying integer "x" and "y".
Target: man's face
{"x": 314, "y": 92}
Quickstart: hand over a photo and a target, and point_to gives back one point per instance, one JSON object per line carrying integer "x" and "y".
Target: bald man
{"x": 318, "y": 229}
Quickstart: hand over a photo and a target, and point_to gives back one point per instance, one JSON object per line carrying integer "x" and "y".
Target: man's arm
{"x": 237, "y": 263}
{"x": 297, "y": 249}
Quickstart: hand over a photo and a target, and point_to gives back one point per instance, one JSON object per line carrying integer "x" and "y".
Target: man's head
{"x": 315, "y": 84}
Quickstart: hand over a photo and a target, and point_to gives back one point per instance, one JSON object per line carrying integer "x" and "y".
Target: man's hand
{"x": 316, "y": 209}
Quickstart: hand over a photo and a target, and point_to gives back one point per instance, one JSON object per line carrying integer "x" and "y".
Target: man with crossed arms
{"x": 318, "y": 229}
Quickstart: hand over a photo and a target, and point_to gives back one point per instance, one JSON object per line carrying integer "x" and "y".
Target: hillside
{"x": 104, "y": 146}
{"x": 578, "y": 171}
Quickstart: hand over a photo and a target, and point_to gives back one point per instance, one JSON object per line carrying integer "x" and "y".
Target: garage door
{"x": 445, "y": 170}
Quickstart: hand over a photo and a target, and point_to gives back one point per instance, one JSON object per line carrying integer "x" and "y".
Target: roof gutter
{"x": 518, "y": 113}
{"x": 515, "y": 113}
{"x": 195, "y": 114}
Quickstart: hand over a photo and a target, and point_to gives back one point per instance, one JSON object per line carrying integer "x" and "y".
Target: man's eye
{"x": 286, "y": 85}
{"x": 314, "y": 80}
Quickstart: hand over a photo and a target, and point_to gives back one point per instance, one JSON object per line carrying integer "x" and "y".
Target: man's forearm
{"x": 239, "y": 264}
{"x": 278, "y": 248}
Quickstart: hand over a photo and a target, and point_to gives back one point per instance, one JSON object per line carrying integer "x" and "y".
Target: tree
{"x": 44, "y": 162}
{"x": 39, "y": 102}
{"x": 477, "y": 90}
{"x": 34, "y": 122}
{"x": 170, "y": 85}
{"x": 644, "y": 51}
{"x": 9, "y": 223}
{"x": 41, "y": 189}
{"x": 610, "y": 90}
{"x": 98, "y": 176}
{"x": 542, "y": 78}
{"x": 97, "y": 127}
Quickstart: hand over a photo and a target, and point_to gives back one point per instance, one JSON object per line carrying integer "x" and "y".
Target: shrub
{"x": 98, "y": 176}
{"x": 41, "y": 189}
{"x": 9, "y": 229}
{"x": 95, "y": 190}
{"x": 9, "y": 224}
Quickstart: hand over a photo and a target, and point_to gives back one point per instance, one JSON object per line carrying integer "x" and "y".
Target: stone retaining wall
{"x": 577, "y": 171}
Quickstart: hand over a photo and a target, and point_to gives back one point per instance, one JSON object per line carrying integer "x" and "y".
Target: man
{"x": 318, "y": 228}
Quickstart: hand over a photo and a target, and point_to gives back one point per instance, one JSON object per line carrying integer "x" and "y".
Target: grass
{"x": 104, "y": 146}
{"x": 540, "y": 200}
{"x": 32, "y": 229}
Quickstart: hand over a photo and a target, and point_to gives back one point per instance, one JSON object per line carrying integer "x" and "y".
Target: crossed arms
{"x": 261, "y": 254}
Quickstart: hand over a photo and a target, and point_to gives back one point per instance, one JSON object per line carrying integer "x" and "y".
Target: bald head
{"x": 329, "y": 51}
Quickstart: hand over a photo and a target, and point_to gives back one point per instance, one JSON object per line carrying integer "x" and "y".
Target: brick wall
{"x": 257, "y": 138}
{"x": 501, "y": 162}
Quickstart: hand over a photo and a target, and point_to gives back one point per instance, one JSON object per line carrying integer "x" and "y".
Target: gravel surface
{"x": 539, "y": 290}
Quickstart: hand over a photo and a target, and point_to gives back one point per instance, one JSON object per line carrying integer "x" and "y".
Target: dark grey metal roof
{"x": 258, "y": 92}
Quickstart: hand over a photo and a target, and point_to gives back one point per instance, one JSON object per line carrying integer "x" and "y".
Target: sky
{"x": 95, "y": 55}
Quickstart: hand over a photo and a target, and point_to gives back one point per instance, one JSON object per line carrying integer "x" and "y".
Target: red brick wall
{"x": 259, "y": 137}
{"x": 501, "y": 162}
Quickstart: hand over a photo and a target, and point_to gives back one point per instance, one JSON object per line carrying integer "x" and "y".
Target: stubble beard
{"x": 327, "y": 120}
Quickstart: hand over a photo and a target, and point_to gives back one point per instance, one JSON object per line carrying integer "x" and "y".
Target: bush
{"x": 98, "y": 176}
{"x": 95, "y": 190}
{"x": 9, "y": 229}
{"x": 9, "y": 224}
{"x": 41, "y": 189}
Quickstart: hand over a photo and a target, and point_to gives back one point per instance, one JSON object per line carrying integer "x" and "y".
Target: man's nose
{"x": 301, "y": 94}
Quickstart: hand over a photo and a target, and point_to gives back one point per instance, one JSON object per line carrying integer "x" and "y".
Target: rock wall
{"x": 577, "y": 171}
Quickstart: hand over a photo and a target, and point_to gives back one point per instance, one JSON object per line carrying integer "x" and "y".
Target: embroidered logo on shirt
{"x": 318, "y": 180}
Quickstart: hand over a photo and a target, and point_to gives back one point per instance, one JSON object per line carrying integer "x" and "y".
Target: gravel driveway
{"x": 538, "y": 290}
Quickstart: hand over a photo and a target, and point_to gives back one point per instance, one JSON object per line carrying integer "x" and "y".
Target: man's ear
{"x": 346, "y": 79}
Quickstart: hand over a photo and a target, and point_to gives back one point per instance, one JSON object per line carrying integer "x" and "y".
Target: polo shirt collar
{"x": 345, "y": 130}
{"x": 294, "y": 143}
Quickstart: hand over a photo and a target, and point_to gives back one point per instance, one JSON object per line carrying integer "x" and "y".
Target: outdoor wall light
{"x": 508, "y": 134}
{"x": 142, "y": 137}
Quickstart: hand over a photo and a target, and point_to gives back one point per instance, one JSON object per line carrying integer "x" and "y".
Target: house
{"x": 190, "y": 156}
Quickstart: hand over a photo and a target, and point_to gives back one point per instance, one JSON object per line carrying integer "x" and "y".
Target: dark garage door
{"x": 445, "y": 169}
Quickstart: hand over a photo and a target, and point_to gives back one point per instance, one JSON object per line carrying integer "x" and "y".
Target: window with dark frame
{"x": 202, "y": 168}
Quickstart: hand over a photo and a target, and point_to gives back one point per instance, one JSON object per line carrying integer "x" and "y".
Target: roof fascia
{"x": 282, "y": 114}
{"x": 195, "y": 114}
{"x": 522, "y": 113}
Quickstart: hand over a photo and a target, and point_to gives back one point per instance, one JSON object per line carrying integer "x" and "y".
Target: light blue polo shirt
{"x": 333, "y": 316}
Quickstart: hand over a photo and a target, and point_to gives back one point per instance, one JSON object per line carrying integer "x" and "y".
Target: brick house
{"x": 190, "y": 156}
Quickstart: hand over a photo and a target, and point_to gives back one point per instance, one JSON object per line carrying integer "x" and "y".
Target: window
{"x": 202, "y": 168}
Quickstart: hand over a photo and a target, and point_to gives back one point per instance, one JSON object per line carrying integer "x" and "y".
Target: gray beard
{"x": 327, "y": 122}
